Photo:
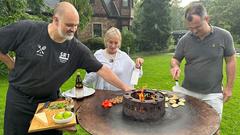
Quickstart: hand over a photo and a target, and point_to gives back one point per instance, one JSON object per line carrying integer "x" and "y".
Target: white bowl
{"x": 62, "y": 121}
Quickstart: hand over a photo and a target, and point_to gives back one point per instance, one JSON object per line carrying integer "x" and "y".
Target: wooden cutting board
{"x": 36, "y": 125}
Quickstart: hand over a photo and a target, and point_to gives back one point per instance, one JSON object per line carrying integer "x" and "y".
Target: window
{"x": 92, "y": 1}
{"x": 97, "y": 30}
{"x": 125, "y": 3}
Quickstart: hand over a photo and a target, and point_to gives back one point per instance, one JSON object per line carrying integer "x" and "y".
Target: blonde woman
{"x": 119, "y": 62}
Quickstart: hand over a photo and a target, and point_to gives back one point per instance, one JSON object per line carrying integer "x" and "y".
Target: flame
{"x": 141, "y": 95}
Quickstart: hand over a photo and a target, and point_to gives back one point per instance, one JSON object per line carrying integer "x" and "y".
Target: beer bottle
{"x": 78, "y": 83}
{"x": 79, "y": 86}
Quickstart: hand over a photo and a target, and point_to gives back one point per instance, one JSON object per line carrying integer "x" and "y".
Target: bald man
{"x": 46, "y": 56}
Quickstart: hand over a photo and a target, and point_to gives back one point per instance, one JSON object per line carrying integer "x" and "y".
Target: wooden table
{"x": 196, "y": 117}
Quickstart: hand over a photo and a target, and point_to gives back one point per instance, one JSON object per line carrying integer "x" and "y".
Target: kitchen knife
{"x": 46, "y": 104}
{"x": 135, "y": 76}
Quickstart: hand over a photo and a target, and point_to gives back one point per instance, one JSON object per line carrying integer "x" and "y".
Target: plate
{"x": 71, "y": 93}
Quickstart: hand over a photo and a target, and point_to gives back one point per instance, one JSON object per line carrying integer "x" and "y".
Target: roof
{"x": 51, "y": 3}
{"x": 110, "y": 7}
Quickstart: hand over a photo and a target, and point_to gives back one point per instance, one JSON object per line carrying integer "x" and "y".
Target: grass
{"x": 156, "y": 75}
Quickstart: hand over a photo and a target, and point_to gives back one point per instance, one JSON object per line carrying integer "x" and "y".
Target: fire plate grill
{"x": 144, "y": 105}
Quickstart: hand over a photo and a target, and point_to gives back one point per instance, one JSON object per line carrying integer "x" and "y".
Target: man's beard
{"x": 64, "y": 35}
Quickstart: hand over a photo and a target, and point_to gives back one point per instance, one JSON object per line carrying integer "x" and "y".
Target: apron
{"x": 19, "y": 111}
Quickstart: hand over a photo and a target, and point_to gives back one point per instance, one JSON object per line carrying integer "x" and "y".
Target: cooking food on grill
{"x": 166, "y": 99}
{"x": 106, "y": 104}
{"x": 181, "y": 103}
{"x": 164, "y": 92}
{"x": 175, "y": 105}
{"x": 173, "y": 100}
{"x": 116, "y": 100}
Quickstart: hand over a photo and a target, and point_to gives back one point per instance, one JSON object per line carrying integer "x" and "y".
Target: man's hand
{"x": 128, "y": 88}
{"x": 109, "y": 76}
{"x": 175, "y": 71}
{"x": 139, "y": 62}
{"x": 227, "y": 94}
{"x": 231, "y": 73}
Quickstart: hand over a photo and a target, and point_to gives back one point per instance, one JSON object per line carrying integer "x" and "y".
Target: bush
{"x": 128, "y": 41}
{"x": 171, "y": 44}
{"x": 237, "y": 45}
{"x": 95, "y": 43}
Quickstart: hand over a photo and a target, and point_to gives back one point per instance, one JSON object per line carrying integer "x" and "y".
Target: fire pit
{"x": 143, "y": 105}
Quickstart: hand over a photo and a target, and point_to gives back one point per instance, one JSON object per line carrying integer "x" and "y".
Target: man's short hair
{"x": 195, "y": 8}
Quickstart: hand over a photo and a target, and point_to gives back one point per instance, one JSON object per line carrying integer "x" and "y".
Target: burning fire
{"x": 141, "y": 95}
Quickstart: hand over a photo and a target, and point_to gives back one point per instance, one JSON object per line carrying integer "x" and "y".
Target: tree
{"x": 14, "y": 10}
{"x": 229, "y": 16}
{"x": 85, "y": 11}
{"x": 137, "y": 23}
{"x": 155, "y": 24}
{"x": 38, "y": 8}
{"x": 177, "y": 16}
{"x": 128, "y": 41}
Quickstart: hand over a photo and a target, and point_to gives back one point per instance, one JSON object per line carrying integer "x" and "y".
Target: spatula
{"x": 176, "y": 87}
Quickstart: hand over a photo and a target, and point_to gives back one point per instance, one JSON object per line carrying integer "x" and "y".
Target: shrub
{"x": 171, "y": 44}
{"x": 128, "y": 41}
{"x": 95, "y": 43}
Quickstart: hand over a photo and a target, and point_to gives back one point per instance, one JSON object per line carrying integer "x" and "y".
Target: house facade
{"x": 108, "y": 13}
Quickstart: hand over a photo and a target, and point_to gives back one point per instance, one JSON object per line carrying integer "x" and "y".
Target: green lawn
{"x": 157, "y": 75}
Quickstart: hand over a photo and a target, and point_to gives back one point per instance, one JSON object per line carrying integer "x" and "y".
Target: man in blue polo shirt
{"x": 204, "y": 48}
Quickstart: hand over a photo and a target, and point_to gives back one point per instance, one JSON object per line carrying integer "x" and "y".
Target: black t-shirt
{"x": 43, "y": 65}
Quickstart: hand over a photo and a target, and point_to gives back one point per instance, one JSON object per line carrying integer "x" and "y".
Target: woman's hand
{"x": 139, "y": 62}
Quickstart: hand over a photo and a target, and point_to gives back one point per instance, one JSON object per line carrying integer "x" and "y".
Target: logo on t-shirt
{"x": 64, "y": 57}
{"x": 40, "y": 51}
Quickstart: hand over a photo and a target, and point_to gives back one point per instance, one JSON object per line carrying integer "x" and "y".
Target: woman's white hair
{"x": 111, "y": 33}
